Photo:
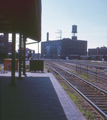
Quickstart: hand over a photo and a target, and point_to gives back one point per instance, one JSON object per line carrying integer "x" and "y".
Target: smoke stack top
{"x": 47, "y": 36}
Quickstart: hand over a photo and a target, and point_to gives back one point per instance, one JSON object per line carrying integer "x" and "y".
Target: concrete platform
{"x": 39, "y": 96}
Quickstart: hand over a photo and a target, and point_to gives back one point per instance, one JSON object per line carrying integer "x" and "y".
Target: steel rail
{"x": 95, "y": 107}
{"x": 93, "y": 73}
{"x": 105, "y": 92}
{"x": 90, "y": 72}
{"x": 91, "y": 65}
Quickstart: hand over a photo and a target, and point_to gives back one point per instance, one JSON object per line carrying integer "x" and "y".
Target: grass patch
{"x": 91, "y": 80}
{"x": 45, "y": 66}
{"x": 84, "y": 77}
{"x": 64, "y": 86}
{"x": 80, "y": 108}
{"x": 72, "y": 71}
{"x": 89, "y": 115}
{"x": 74, "y": 97}
{"x": 77, "y": 100}
{"x": 76, "y": 73}
{"x": 56, "y": 76}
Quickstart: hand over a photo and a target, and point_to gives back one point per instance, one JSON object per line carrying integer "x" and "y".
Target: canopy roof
{"x": 21, "y": 16}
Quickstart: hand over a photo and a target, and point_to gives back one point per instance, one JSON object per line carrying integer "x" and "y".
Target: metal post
{"x": 38, "y": 50}
{"x": 20, "y": 50}
{"x": 87, "y": 70}
{"x": 96, "y": 73}
{"x": 24, "y": 54}
{"x": 76, "y": 66}
{"x": 13, "y": 61}
{"x": 80, "y": 68}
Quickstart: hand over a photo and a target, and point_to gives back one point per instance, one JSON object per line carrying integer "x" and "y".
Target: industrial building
{"x": 5, "y": 46}
{"x": 98, "y": 53}
{"x": 66, "y": 47}
{"x": 28, "y": 53}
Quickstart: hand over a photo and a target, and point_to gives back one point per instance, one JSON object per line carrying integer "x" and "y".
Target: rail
{"x": 95, "y": 107}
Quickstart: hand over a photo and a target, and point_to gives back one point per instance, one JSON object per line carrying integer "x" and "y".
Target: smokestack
{"x": 47, "y": 36}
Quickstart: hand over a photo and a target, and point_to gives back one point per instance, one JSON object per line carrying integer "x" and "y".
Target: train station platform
{"x": 39, "y": 96}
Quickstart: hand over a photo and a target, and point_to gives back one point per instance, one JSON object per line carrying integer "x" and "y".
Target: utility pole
{"x": 60, "y": 32}
{"x": 38, "y": 50}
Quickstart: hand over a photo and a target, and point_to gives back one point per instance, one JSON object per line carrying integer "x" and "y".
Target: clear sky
{"x": 90, "y": 16}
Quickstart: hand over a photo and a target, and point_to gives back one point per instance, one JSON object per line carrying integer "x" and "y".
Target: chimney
{"x": 47, "y": 36}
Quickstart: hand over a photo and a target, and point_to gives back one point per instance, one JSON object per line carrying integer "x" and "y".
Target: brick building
{"x": 63, "y": 48}
{"x": 98, "y": 51}
{"x": 3, "y": 46}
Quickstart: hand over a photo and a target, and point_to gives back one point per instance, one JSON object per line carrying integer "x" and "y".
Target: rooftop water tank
{"x": 74, "y": 29}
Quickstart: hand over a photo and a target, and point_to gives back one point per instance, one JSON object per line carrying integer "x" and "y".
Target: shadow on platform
{"x": 34, "y": 98}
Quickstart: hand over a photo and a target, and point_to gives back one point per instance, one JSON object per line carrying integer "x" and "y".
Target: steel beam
{"x": 20, "y": 55}
{"x": 24, "y": 54}
{"x": 31, "y": 43}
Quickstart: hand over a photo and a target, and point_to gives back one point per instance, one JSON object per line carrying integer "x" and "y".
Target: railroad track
{"x": 96, "y": 75}
{"x": 95, "y": 96}
{"x": 99, "y": 74}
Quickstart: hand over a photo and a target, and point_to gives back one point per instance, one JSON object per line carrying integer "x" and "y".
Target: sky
{"x": 90, "y": 16}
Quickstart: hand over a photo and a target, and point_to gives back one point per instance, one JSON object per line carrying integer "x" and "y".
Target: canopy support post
{"x": 24, "y": 55}
{"x": 20, "y": 55}
{"x": 13, "y": 61}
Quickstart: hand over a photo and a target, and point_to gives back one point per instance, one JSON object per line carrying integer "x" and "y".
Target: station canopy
{"x": 21, "y": 16}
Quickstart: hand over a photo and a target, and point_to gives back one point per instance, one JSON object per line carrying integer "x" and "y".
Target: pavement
{"x": 39, "y": 96}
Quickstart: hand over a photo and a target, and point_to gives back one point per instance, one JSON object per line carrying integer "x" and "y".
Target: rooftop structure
{"x": 74, "y": 31}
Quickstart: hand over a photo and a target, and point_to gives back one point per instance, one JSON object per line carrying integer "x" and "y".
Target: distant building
{"x": 3, "y": 46}
{"x": 98, "y": 53}
{"x": 37, "y": 55}
{"x": 63, "y": 48}
{"x": 30, "y": 53}
{"x": 9, "y": 47}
